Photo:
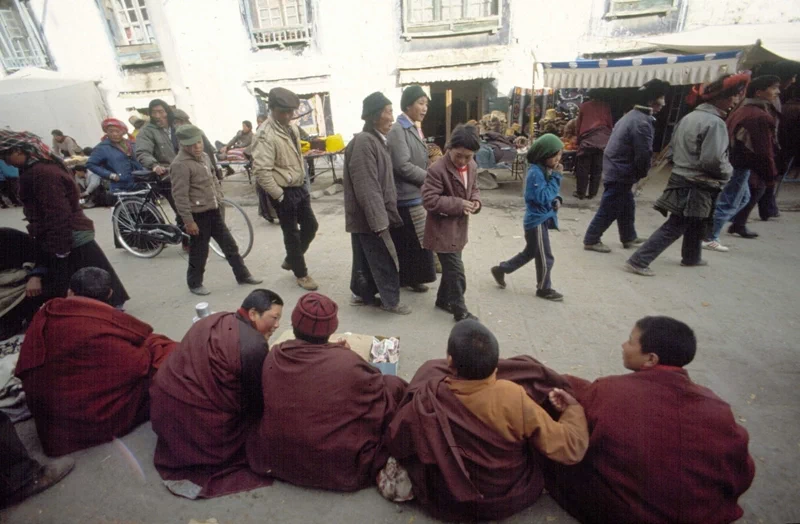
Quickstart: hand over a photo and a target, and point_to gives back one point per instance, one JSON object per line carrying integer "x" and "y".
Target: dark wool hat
{"x": 410, "y": 95}
{"x": 374, "y": 103}
{"x": 760, "y": 83}
{"x": 315, "y": 315}
{"x": 283, "y": 98}
{"x": 652, "y": 90}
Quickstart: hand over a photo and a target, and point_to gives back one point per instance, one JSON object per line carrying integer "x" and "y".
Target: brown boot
{"x": 307, "y": 283}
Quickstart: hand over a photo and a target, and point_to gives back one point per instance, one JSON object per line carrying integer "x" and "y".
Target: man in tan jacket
{"x": 278, "y": 167}
{"x": 197, "y": 193}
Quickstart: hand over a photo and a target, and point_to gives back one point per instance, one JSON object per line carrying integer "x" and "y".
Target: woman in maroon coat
{"x": 63, "y": 234}
{"x": 450, "y": 194}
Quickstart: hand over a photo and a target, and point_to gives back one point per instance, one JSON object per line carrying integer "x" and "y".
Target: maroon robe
{"x": 661, "y": 449}
{"x": 85, "y": 368}
{"x": 206, "y": 399}
{"x": 461, "y": 468}
{"x": 325, "y": 411}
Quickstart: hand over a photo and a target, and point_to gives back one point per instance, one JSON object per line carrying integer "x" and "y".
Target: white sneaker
{"x": 713, "y": 245}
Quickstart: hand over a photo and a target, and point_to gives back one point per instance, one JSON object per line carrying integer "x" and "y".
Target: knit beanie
{"x": 543, "y": 148}
{"x": 373, "y": 104}
{"x": 315, "y": 315}
{"x": 410, "y": 95}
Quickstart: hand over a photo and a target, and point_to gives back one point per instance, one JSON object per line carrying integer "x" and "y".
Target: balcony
{"x": 282, "y": 36}
{"x": 138, "y": 55}
{"x": 19, "y": 62}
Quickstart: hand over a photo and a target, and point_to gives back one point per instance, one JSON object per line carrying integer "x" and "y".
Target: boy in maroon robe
{"x": 662, "y": 448}
{"x": 325, "y": 407}
{"x": 86, "y": 367}
{"x": 471, "y": 430}
{"x": 207, "y": 399}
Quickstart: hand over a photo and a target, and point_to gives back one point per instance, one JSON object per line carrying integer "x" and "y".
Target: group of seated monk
{"x": 472, "y": 437}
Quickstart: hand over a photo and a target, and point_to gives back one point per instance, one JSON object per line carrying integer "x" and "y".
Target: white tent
{"x": 39, "y": 101}
{"x": 763, "y": 42}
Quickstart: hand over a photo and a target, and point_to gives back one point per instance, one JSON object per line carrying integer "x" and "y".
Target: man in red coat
{"x": 662, "y": 448}
{"x": 752, "y": 129}
{"x": 325, "y": 407}
{"x": 86, "y": 366}
{"x": 594, "y": 130}
{"x": 207, "y": 400}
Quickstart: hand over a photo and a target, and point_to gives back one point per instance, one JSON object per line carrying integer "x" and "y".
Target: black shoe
{"x": 444, "y": 307}
{"x": 419, "y": 288}
{"x": 465, "y": 315}
{"x": 250, "y": 280}
{"x": 699, "y": 263}
{"x": 550, "y": 294}
{"x": 577, "y": 195}
{"x": 742, "y": 232}
{"x": 499, "y": 277}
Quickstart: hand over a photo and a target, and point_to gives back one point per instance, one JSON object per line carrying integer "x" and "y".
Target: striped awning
{"x": 633, "y": 72}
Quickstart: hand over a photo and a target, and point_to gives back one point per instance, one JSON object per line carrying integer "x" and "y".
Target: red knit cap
{"x": 315, "y": 315}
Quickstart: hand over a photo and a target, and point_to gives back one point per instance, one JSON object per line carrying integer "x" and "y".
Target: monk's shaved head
{"x": 672, "y": 340}
{"x": 91, "y": 282}
{"x": 473, "y": 349}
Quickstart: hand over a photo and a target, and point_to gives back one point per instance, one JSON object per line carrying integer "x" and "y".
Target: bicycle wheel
{"x": 128, "y": 214}
{"x": 238, "y": 224}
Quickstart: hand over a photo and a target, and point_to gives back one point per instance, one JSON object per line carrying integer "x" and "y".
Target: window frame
{"x": 123, "y": 20}
{"x": 464, "y": 25}
{"x": 37, "y": 51}
{"x": 660, "y": 10}
{"x": 280, "y": 37}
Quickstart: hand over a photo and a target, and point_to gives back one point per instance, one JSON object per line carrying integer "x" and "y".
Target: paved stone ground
{"x": 742, "y": 306}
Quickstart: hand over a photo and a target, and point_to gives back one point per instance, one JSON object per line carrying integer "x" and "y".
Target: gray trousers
{"x": 373, "y": 270}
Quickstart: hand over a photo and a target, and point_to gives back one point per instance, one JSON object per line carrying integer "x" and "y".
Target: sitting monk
{"x": 325, "y": 407}
{"x": 471, "y": 431}
{"x": 662, "y": 448}
{"x": 86, "y": 366}
{"x": 207, "y": 399}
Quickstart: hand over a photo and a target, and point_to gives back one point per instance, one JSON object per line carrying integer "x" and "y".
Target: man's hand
{"x": 467, "y": 206}
{"x": 34, "y": 287}
{"x": 476, "y": 206}
{"x": 192, "y": 229}
{"x": 160, "y": 170}
{"x": 561, "y": 400}
{"x": 114, "y": 177}
{"x": 344, "y": 342}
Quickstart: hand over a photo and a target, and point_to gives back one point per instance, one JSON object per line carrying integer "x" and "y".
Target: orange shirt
{"x": 506, "y": 407}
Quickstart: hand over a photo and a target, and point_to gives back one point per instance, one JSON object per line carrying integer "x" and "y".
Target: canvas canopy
{"x": 633, "y": 72}
{"x": 39, "y": 101}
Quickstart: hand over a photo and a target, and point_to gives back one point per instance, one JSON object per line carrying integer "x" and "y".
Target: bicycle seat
{"x": 145, "y": 176}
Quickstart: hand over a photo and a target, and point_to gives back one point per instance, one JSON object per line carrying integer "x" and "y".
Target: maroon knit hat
{"x": 315, "y": 315}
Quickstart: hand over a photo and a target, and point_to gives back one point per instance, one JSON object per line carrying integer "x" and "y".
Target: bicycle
{"x": 142, "y": 229}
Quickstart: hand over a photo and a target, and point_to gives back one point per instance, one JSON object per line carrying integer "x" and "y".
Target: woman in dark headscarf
{"x": 63, "y": 234}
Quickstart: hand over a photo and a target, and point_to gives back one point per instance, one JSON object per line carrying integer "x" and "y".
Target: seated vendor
{"x": 18, "y": 304}
{"x": 207, "y": 397}
{"x": 472, "y": 430}
{"x": 243, "y": 138}
{"x": 325, "y": 407}
{"x": 86, "y": 366}
{"x": 662, "y": 448}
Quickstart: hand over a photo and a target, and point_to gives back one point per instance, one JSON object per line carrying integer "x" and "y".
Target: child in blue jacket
{"x": 542, "y": 203}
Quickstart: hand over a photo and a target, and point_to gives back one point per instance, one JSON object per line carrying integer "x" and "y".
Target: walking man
{"x": 626, "y": 161}
{"x": 197, "y": 194}
{"x": 701, "y": 168}
{"x": 278, "y": 168}
{"x": 752, "y": 130}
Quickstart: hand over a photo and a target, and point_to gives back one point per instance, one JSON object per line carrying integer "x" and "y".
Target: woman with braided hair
{"x": 63, "y": 234}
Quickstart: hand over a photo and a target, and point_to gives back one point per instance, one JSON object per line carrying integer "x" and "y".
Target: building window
{"x": 278, "y": 22}
{"x": 442, "y": 17}
{"x": 20, "y": 43}
{"x": 132, "y": 32}
{"x": 622, "y": 8}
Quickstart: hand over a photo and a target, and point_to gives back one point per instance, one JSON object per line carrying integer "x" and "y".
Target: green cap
{"x": 189, "y": 135}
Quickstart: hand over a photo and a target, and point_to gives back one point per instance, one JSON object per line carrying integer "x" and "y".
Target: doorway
{"x": 453, "y": 103}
